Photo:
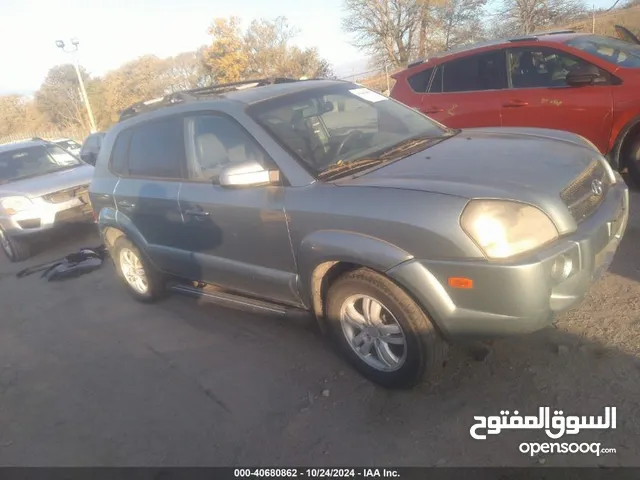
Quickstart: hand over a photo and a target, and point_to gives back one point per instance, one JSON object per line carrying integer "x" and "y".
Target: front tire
{"x": 15, "y": 249}
{"x": 383, "y": 333}
{"x": 141, "y": 279}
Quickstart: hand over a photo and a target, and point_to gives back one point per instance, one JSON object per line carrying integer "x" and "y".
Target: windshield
{"x": 34, "y": 161}
{"x": 68, "y": 144}
{"x": 612, "y": 50}
{"x": 345, "y": 126}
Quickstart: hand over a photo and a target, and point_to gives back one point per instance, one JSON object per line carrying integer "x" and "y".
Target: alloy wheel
{"x": 373, "y": 333}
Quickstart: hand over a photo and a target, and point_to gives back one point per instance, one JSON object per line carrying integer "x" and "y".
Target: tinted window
{"x": 541, "y": 67}
{"x": 484, "y": 71}
{"x": 419, "y": 82}
{"x": 157, "y": 149}
{"x": 215, "y": 141}
{"x": 612, "y": 50}
{"x": 119, "y": 154}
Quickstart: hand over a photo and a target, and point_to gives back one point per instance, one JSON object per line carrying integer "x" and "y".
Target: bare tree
{"x": 527, "y": 16}
{"x": 60, "y": 99}
{"x": 460, "y": 22}
{"x": 386, "y": 29}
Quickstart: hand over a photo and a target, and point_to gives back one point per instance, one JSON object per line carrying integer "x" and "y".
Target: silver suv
{"x": 398, "y": 234}
{"x": 42, "y": 186}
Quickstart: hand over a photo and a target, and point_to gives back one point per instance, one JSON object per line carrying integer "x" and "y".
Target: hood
{"x": 52, "y": 182}
{"x": 531, "y": 165}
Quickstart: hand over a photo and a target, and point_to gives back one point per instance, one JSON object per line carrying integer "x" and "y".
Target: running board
{"x": 212, "y": 295}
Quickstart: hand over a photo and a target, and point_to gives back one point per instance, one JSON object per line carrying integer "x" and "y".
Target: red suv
{"x": 586, "y": 84}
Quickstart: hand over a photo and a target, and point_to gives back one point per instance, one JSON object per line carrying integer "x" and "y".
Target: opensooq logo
{"x": 555, "y": 426}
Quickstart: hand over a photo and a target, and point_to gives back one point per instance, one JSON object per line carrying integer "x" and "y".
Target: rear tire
{"x": 632, "y": 160}
{"x": 381, "y": 331}
{"x": 139, "y": 276}
{"x": 15, "y": 249}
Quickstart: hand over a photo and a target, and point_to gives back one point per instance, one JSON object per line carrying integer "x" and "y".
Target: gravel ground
{"x": 90, "y": 377}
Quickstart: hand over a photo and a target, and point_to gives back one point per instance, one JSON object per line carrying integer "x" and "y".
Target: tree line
{"x": 394, "y": 32}
{"x": 263, "y": 49}
{"x": 391, "y": 32}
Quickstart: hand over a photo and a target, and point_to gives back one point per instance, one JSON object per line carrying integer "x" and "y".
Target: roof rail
{"x": 553, "y": 32}
{"x": 416, "y": 63}
{"x": 535, "y": 36}
{"x": 192, "y": 94}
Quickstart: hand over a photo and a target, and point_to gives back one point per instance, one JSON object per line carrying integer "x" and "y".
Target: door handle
{"x": 516, "y": 103}
{"x": 433, "y": 110}
{"x": 196, "y": 213}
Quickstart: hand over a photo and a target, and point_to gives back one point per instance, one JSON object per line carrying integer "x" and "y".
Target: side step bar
{"x": 225, "y": 299}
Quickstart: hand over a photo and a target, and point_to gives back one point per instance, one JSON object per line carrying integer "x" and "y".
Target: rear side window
{"x": 120, "y": 154}
{"x": 485, "y": 71}
{"x": 419, "y": 82}
{"x": 156, "y": 149}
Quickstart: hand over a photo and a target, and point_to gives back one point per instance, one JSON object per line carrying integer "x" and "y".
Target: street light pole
{"x": 76, "y": 64}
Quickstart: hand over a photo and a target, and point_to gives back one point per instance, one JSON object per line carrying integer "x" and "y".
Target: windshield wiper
{"x": 413, "y": 143}
{"x": 396, "y": 152}
{"x": 341, "y": 166}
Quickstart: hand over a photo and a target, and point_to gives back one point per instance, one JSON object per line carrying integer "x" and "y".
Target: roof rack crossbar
{"x": 184, "y": 95}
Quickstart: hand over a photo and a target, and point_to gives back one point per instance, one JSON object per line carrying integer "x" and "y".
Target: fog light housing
{"x": 561, "y": 268}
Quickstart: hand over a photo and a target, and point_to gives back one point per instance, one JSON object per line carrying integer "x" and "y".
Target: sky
{"x": 112, "y": 32}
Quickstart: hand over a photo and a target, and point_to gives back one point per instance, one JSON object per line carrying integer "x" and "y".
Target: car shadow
{"x": 580, "y": 366}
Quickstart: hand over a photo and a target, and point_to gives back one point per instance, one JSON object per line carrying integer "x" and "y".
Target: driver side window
{"x": 540, "y": 67}
{"x": 216, "y": 141}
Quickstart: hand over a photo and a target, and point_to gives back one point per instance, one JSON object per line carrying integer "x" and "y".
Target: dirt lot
{"x": 90, "y": 377}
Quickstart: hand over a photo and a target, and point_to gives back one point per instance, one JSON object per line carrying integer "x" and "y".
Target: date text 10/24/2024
{"x": 315, "y": 473}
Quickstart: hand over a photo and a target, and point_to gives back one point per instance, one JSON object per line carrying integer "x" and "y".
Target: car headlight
{"x": 13, "y": 205}
{"x": 503, "y": 228}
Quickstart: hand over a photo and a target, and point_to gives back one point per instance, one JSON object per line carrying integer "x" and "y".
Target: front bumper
{"x": 44, "y": 217}
{"x": 524, "y": 296}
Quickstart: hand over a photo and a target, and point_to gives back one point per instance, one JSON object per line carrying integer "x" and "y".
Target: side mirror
{"x": 89, "y": 158}
{"x": 581, "y": 75}
{"x": 247, "y": 174}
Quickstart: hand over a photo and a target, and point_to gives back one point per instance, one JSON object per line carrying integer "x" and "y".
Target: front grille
{"x": 66, "y": 195}
{"x": 579, "y": 195}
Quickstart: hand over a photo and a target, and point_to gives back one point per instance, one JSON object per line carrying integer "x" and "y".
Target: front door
{"x": 237, "y": 237}
{"x": 464, "y": 92}
{"x": 539, "y": 96}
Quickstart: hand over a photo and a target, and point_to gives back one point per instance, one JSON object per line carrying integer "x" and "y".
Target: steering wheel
{"x": 352, "y": 135}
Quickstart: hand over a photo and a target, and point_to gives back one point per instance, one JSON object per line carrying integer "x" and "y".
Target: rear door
{"x": 464, "y": 92}
{"x": 146, "y": 195}
{"x": 540, "y": 97}
{"x": 237, "y": 238}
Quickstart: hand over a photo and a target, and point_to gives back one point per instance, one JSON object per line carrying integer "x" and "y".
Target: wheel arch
{"x": 112, "y": 227}
{"x": 326, "y": 255}
{"x": 630, "y": 128}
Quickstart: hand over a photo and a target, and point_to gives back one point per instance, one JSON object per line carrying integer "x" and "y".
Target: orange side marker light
{"x": 460, "y": 282}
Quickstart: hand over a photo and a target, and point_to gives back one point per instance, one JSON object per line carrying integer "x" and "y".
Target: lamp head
{"x": 59, "y": 44}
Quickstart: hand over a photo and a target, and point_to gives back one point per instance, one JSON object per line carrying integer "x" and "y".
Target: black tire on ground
{"x": 156, "y": 281}
{"x": 425, "y": 350}
{"x": 632, "y": 155}
{"x": 15, "y": 249}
